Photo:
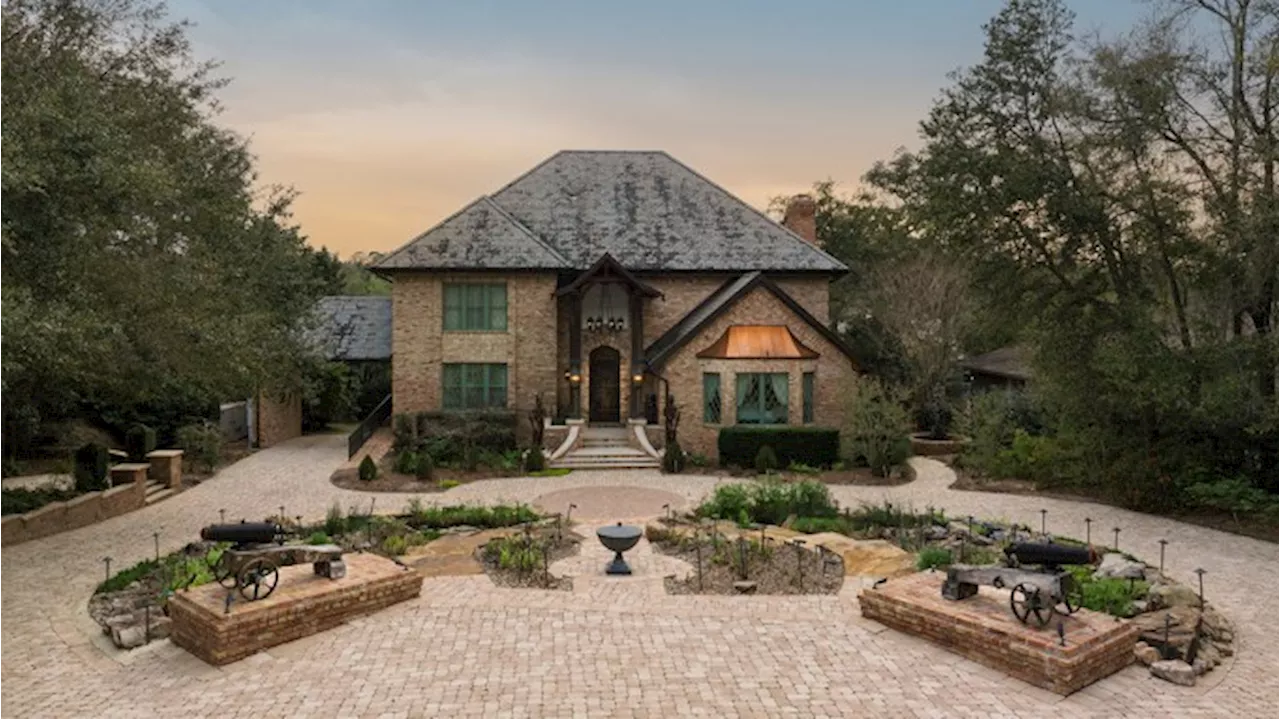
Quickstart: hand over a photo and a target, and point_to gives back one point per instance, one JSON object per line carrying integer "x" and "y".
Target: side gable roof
{"x": 721, "y": 300}
{"x": 350, "y": 327}
{"x": 479, "y": 236}
{"x": 645, "y": 209}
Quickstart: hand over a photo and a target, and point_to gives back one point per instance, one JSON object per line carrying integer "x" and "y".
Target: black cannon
{"x": 252, "y": 562}
{"x": 1040, "y": 587}
{"x": 244, "y": 533}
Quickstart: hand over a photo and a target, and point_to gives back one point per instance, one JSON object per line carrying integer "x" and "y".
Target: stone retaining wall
{"x": 74, "y": 513}
{"x": 302, "y": 605}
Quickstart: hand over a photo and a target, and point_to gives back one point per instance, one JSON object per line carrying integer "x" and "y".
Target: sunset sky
{"x": 389, "y": 116}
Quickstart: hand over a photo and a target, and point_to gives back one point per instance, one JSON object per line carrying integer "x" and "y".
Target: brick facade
{"x": 420, "y": 345}
{"x": 834, "y": 373}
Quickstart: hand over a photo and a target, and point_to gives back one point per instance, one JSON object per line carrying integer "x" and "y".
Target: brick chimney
{"x": 800, "y": 218}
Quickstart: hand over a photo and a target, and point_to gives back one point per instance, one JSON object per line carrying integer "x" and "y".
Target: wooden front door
{"x": 605, "y": 390}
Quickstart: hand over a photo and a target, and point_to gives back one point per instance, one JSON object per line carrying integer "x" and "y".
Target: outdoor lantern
{"x": 637, "y": 373}
{"x": 575, "y": 373}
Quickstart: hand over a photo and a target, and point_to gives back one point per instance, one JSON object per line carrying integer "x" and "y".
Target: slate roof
{"x": 353, "y": 327}
{"x": 479, "y": 235}
{"x": 646, "y": 209}
{"x": 721, "y": 300}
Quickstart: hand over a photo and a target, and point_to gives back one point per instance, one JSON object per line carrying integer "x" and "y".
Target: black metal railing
{"x": 370, "y": 425}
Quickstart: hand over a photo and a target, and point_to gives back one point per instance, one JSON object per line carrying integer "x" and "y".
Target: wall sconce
{"x": 574, "y": 373}
{"x": 637, "y": 373}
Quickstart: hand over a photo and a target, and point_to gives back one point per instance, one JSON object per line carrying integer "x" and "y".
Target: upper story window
{"x": 475, "y": 307}
{"x": 807, "y": 389}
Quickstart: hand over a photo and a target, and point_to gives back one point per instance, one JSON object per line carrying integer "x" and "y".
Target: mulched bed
{"x": 1264, "y": 528}
{"x": 781, "y": 569}
{"x": 858, "y": 476}
{"x": 559, "y": 545}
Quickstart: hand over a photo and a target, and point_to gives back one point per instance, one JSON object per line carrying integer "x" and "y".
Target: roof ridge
{"x": 757, "y": 212}
{"x": 523, "y": 228}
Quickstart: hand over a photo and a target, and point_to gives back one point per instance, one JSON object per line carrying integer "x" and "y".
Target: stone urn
{"x": 618, "y": 539}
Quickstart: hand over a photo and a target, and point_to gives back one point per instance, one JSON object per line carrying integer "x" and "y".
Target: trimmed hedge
{"x": 446, "y": 436}
{"x": 91, "y": 467}
{"x": 815, "y": 446}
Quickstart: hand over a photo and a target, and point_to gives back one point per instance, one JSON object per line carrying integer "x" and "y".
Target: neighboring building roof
{"x": 757, "y": 342}
{"x": 479, "y": 235}
{"x": 1008, "y": 362}
{"x": 721, "y": 300}
{"x": 646, "y": 209}
{"x": 353, "y": 327}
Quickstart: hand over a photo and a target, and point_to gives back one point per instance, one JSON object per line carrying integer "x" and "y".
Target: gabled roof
{"x": 721, "y": 300}
{"x": 608, "y": 269}
{"x": 647, "y": 210}
{"x": 479, "y": 236}
{"x": 350, "y": 327}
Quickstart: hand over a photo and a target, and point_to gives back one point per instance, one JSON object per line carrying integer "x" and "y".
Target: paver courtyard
{"x": 612, "y": 647}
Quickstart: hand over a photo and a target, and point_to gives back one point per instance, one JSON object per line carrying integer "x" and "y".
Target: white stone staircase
{"x": 606, "y": 448}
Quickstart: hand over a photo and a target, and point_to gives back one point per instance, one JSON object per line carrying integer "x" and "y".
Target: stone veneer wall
{"x": 279, "y": 419}
{"x": 834, "y": 373}
{"x": 420, "y": 345}
{"x": 81, "y": 511}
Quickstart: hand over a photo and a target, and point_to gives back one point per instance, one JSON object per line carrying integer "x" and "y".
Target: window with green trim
{"x": 762, "y": 398}
{"x": 475, "y": 386}
{"x": 711, "y": 398}
{"x": 807, "y": 389}
{"x": 475, "y": 307}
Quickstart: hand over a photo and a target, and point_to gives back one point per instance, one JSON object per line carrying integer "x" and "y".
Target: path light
{"x": 108, "y": 562}
{"x": 222, "y": 516}
{"x": 156, "y": 536}
{"x": 1088, "y": 523}
{"x": 1117, "y": 531}
{"x": 1043, "y": 514}
{"x": 666, "y": 509}
{"x": 568, "y": 515}
{"x": 1200, "y": 573}
{"x": 1062, "y": 634}
{"x": 282, "y": 515}
{"x": 1163, "y": 542}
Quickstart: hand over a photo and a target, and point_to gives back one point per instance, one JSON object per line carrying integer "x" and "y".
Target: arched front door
{"x": 605, "y": 390}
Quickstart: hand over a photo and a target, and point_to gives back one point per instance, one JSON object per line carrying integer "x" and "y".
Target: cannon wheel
{"x": 1027, "y": 604}
{"x": 1072, "y": 595}
{"x": 222, "y": 570}
{"x": 258, "y": 579}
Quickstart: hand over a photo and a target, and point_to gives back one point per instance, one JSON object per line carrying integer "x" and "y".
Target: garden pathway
{"x": 625, "y": 648}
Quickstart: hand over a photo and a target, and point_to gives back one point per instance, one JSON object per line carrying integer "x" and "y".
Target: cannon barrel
{"x": 243, "y": 533}
{"x": 1050, "y": 554}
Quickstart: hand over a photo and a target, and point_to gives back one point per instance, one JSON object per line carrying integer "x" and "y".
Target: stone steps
{"x": 157, "y": 492}
{"x": 625, "y": 458}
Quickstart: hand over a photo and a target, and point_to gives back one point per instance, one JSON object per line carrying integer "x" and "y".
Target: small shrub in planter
{"x": 92, "y": 462}
{"x": 318, "y": 538}
{"x": 534, "y": 459}
{"x": 766, "y": 460}
{"x": 407, "y": 462}
{"x": 201, "y": 444}
{"x": 368, "y": 469}
{"x": 424, "y": 467}
{"x": 815, "y": 446}
{"x": 139, "y": 441}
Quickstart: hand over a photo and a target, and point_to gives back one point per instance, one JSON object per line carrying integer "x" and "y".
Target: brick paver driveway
{"x": 610, "y": 648}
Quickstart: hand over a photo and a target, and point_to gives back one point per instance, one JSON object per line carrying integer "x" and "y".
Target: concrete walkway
{"x": 609, "y": 648}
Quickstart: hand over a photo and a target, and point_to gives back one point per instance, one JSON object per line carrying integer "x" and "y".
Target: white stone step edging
{"x": 638, "y": 428}
{"x": 575, "y": 428}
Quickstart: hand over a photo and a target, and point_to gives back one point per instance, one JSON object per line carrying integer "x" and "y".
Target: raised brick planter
{"x": 982, "y": 628}
{"x": 166, "y": 467}
{"x": 129, "y": 472}
{"x": 303, "y": 604}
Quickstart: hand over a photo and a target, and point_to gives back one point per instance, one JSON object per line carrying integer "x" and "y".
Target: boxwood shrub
{"x": 446, "y": 436}
{"x": 815, "y": 446}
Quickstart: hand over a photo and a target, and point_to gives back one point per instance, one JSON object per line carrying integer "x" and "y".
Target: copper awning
{"x": 757, "y": 342}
